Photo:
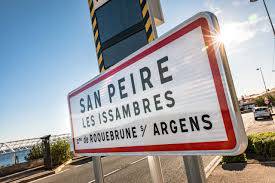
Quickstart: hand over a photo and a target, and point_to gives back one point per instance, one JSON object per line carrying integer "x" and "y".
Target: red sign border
{"x": 197, "y": 146}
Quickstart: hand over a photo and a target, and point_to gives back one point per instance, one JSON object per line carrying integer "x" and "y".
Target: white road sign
{"x": 170, "y": 97}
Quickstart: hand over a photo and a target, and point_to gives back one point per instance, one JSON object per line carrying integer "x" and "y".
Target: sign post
{"x": 155, "y": 169}
{"x": 98, "y": 170}
{"x": 194, "y": 169}
{"x": 144, "y": 104}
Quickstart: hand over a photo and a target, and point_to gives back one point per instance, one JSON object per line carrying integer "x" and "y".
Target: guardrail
{"x": 14, "y": 147}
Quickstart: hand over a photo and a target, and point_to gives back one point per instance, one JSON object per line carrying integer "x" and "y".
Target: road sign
{"x": 266, "y": 100}
{"x": 121, "y": 27}
{"x": 145, "y": 104}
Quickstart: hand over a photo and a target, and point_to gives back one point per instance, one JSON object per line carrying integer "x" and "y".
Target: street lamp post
{"x": 260, "y": 69}
{"x": 267, "y": 15}
{"x": 266, "y": 91}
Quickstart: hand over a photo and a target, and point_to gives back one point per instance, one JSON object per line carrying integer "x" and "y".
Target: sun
{"x": 224, "y": 37}
{"x": 232, "y": 34}
{"x": 227, "y": 35}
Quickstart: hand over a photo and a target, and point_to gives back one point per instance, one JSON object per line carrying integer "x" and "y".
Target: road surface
{"x": 133, "y": 169}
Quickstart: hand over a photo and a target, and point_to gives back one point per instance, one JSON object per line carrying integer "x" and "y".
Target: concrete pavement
{"x": 253, "y": 171}
{"x": 241, "y": 172}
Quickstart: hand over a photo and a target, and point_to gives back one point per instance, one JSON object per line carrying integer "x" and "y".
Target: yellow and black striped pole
{"x": 147, "y": 20}
{"x": 148, "y": 24}
{"x": 96, "y": 36}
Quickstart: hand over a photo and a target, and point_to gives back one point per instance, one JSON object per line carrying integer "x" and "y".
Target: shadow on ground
{"x": 270, "y": 164}
{"x": 234, "y": 166}
{"x": 82, "y": 161}
{"x": 264, "y": 119}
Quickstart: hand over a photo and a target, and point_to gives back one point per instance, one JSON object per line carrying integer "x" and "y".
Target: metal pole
{"x": 269, "y": 18}
{"x": 263, "y": 79}
{"x": 266, "y": 92}
{"x": 155, "y": 169}
{"x": 98, "y": 170}
{"x": 194, "y": 169}
{"x": 13, "y": 158}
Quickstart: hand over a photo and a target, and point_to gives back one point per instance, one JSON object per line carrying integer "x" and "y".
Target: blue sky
{"x": 47, "y": 50}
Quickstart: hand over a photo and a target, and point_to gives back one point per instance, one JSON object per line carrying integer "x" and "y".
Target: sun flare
{"x": 232, "y": 34}
{"x": 228, "y": 34}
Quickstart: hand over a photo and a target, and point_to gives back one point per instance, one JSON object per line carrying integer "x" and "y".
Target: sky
{"x": 47, "y": 50}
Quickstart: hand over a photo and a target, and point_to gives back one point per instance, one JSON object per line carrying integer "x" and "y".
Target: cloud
{"x": 237, "y": 32}
{"x": 212, "y": 7}
{"x": 240, "y": 2}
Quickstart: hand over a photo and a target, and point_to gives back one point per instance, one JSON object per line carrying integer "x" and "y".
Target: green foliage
{"x": 234, "y": 159}
{"x": 35, "y": 153}
{"x": 271, "y": 98}
{"x": 262, "y": 144}
{"x": 250, "y": 147}
{"x": 259, "y": 144}
{"x": 260, "y": 101}
{"x": 60, "y": 152}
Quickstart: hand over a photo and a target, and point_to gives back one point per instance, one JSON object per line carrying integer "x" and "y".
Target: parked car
{"x": 262, "y": 112}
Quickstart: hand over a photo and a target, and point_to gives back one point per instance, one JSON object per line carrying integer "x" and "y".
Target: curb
{"x": 59, "y": 168}
{"x": 37, "y": 177}
{"x": 259, "y": 162}
{"x": 212, "y": 165}
{"x": 21, "y": 172}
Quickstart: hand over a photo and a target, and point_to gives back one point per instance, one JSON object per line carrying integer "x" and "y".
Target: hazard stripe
{"x": 93, "y": 17}
{"x": 147, "y": 25}
{"x": 100, "y": 59}
{"x": 95, "y": 29}
{"x": 144, "y": 10}
{"x": 98, "y": 46}
{"x": 96, "y": 36}
{"x": 142, "y": 3}
{"x": 101, "y": 67}
{"x": 147, "y": 21}
{"x": 92, "y": 12}
{"x": 94, "y": 23}
{"x": 151, "y": 38}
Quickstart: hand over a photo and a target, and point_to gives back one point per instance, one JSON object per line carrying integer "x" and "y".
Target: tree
{"x": 271, "y": 99}
{"x": 260, "y": 101}
{"x": 35, "y": 153}
{"x": 60, "y": 152}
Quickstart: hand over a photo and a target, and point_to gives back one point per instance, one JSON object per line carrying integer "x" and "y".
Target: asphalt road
{"x": 132, "y": 169}
{"x": 121, "y": 170}
{"x": 251, "y": 125}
